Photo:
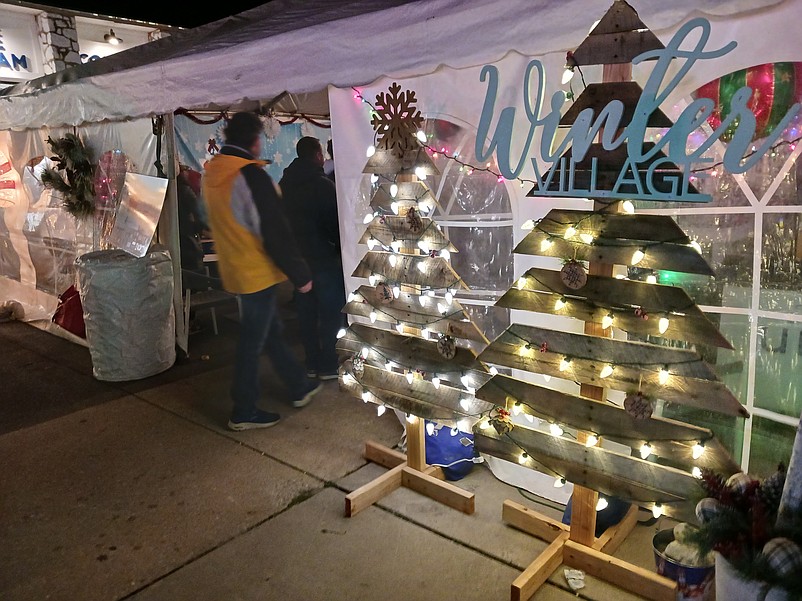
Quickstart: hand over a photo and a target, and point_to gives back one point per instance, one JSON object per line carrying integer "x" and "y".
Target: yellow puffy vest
{"x": 242, "y": 261}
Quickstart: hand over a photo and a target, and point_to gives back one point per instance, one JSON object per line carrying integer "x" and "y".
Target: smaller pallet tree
{"x": 415, "y": 365}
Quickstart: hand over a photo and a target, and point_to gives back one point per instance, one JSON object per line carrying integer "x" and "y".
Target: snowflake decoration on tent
{"x": 396, "y": 120}
{"x": 271, "y": 125}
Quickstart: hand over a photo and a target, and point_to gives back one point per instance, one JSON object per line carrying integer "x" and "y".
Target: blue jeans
{"x": 320, "y": 317}
{"x": 261, "y": 330}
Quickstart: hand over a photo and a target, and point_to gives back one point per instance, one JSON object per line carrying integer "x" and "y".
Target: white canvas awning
{"x": 303, "y": 46}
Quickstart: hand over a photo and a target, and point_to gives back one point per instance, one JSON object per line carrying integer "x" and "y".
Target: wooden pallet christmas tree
{"x": 659, "y": 460}
{"x": 406, "y": 356}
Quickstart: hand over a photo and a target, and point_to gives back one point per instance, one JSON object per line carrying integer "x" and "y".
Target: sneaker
{"x": 307, "y": 397}
{"x": 258, "y": 419}
{"x": 328, "y": 375}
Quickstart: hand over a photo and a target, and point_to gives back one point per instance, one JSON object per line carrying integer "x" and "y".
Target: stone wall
{"x": 59, "y": 41}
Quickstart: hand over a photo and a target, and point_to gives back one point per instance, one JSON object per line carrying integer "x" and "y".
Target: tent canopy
{"x": 303, "y": 46}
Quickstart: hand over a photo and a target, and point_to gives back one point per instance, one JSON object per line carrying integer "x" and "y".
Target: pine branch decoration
{"x": 72, "y": 176}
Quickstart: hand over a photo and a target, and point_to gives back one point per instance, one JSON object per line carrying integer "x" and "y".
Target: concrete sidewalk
{"x": 137, "y": 490}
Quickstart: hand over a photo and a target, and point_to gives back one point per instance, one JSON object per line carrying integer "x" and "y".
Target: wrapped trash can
{"x": 128, "y": 312}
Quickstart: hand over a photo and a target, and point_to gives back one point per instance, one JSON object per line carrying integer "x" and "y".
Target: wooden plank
{"x": 620, "y": 17}
{"x": 382, "y": 455}
{"x": 532, "y": 522}
{"x": 615, "y": 48}
{"x": 386, "y": 162}
{"x": 596, "y": 96}
{"x": 628, "y": 227}
{"x": 670, "y": 257}
{"x": 416, "y": 444}
{"x": 537, "y": 572}
{"x": 600, "y": 296}
{"x": 393, "y": 228}
{"x": 365, "y": 496}
{"x": 671, "y": 440}
{"x": 437, "y": 273}
{"x": 442, "y": 492}
{"x": 596, "y": 468}
{"x": 637, "y": 367}
{"x": 583, "y": 515}
{"x": 421, "y": 397}
{"x": 627, "y": 576}
{"x": 412, "y": 353}
{"x": 612, "y": 538}
{"x": 408, "y": 310}
{"x": 413, "y": 192}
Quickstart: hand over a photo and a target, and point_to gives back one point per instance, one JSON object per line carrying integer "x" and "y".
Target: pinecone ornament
{"x": 771, "y": 490}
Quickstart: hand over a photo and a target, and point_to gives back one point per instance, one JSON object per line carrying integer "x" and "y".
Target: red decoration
{"x": 775, "y": 88}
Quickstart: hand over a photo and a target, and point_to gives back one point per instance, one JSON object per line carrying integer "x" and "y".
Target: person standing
{"x": 310, "y": 203}
{"x": 256, "y": 252}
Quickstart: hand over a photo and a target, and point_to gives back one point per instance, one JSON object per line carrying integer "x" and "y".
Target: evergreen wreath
{"x": 76, "y": 185}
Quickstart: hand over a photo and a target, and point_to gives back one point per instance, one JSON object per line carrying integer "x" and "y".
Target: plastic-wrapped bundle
{"x": 128, "y": 311}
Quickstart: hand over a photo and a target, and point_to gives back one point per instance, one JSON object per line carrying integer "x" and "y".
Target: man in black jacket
{"x": 310, "y": 203}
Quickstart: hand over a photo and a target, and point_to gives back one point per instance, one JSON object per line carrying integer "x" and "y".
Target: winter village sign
{"x": 740, "y": 123}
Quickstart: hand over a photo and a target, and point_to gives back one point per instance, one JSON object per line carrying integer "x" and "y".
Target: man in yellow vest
{"x": 256, "y": 251}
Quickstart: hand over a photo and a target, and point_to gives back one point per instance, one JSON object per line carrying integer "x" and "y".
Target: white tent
{"x": 303, "y": 46}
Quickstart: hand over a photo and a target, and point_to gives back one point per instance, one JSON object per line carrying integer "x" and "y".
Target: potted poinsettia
{"x": 754, "y": 526}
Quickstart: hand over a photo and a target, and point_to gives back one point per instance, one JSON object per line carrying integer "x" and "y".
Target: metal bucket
{"x": 695, "y": 583}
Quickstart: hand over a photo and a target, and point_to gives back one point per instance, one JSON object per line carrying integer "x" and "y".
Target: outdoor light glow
{"x": 521, "y": 282}
{"x": 568, "y": 74}
{"x": 516, "y": 408}
{"x": 607, "y": 321}
{"x": 586, "y": 238}
{"x": 546, "y": 244}
{"x": 662, "y": 325}
{"x": 374, "y": 178}
{"x": 522, "y": 458}
{"x": 645, "y": 450}
{"x": 393, "y": 260}
{"x": 559, "y": 303}
{"x": 555, "y": 430}
{"x": 559, "y": 482}
{"x": 606, "y": 371}
{"x": 493, "y": 371}
{"x": 396, "y": 291}
{"x": 602, "y": 504}
{"x": 530, "y": 418}
{"x": 529, "y": 224}
{"x": 394, "y": 207}
{"x": 449, "y": 296}
{"x": 421, "y": 136}
{"x": 365, "y": 352}
{"x": 373, "y": 278}
{"x": 348, "y": 379}
{"x": 696, "y": 472}
{"x": 420, "y": 172}
{"x": 411, "y": 419}
{"x": 657, "y": 510}
{"x": 422, "y": 300}
{"x": 372, "y": 243}
{"x": 445, "y": 254}
{"x": 395, "y": 245}
{"x": 466, "y": 380}
{"x": 484, "y": 424}
{"x": 368, "y": 218}
{"x": 441, "y": 307}
{"x": 394, "y": 190}
{"x": 662, "y": 377}
{"x": 696, "y": 246}
{"x": 592, "y": 440}
{"x": 570, "y": 232}
{"x": 370, "y": 151}
{"x": 388, "y": 366}
{"x": 409, "y": 376}
{"x": 564, "y": 363}
{"x": 436, "y": 382}
{"x": 422, "y": 266}
{"x": 465, "y": 404}
{"x": 399, "y": 327}
{"x": 628, "y": 207}
{"x": 341, "y": 333}
{"x": 365, "y": 396}
{"x": 380, "y": 410}
{"x": 429, "y": 428}
{"x": 698, "y": 450}
{"x": 373, "y": 316}
{"x": 651, "y": 279}
{"x": 637, "y": 256}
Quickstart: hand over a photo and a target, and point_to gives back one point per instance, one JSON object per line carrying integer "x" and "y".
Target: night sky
{"x": 178, "y": 14}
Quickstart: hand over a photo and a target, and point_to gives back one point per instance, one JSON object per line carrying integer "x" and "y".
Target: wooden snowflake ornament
{"x": 396, "y": 121}
{"x": 573, "y": 275}
{"x": 384, "y": 294}
{"x": 447, "y": 347}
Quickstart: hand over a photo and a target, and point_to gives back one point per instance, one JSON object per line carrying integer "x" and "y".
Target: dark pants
{"x": 320, "y": 317}
{"x": 261, "y": 330}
